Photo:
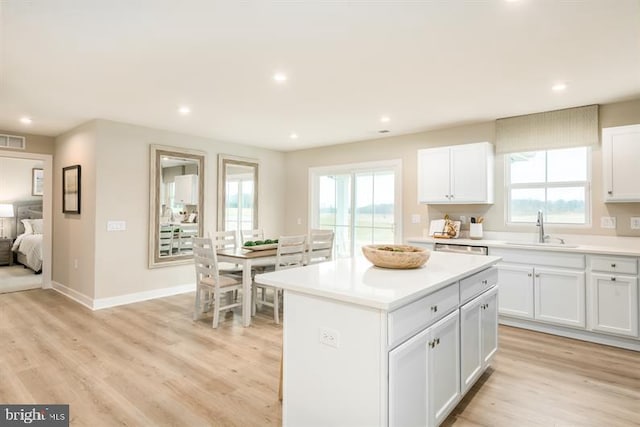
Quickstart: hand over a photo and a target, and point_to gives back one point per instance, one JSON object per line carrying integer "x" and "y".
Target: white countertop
{"x": 624, "y": 246}
{"x": 357, "y": 281}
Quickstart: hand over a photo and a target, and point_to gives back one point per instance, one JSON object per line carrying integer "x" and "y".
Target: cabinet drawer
{"x": 476, "y": 284}
{"x": 406, "y": 321}
{"x": 614, "y": 264}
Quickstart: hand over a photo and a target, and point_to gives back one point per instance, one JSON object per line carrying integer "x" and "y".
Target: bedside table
{"x": 6, "y": 256}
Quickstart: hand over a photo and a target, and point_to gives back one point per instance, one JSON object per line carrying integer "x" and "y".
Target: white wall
{"x": 115, "y": 161}
{"x": 74, "y": 235}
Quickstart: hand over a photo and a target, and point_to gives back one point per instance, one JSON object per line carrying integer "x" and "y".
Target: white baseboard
{"x": 72, "y": 294}
{"x": 101, "y": 303}
{"x": 627, "y": 343}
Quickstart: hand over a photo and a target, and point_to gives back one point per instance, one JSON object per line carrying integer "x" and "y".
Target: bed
{"x": 28, "y": 243}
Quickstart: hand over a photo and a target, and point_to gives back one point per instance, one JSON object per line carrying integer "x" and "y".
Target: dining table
{"x": 247, "y": 259}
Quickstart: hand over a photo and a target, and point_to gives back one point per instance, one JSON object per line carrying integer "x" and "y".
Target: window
{"x": 239, "y": 202}
{"x": 555, "y": 181}
{"x": 360, "y": 203}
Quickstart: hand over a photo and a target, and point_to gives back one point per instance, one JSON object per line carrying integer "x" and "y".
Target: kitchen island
{"x": 366, "y": 346}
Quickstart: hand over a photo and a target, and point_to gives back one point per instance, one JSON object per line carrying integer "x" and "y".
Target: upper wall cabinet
{"x": 186, "y": 189}
{"x": 461, "y": 174}
{"x": 620, "y": 154}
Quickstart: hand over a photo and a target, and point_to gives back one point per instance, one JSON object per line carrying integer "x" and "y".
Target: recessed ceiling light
{"x": 26, "y": 120}
{"x": 280, "y": 77}
{"x": 559, "y": 87}
{"x": 293, "y": 135}
{"x": 184, "y": 110}
{"x": 384, "y": 119}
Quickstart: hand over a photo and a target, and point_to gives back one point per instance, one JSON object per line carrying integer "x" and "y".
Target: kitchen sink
{"x": 542, "y": 245}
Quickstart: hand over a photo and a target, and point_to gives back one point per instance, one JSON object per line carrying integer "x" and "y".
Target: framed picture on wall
{"x": 37, "y": 182}
{"x": 71, "y": 189}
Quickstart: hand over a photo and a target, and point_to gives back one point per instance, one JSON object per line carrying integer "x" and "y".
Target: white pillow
{"x": 36, "y": 226}
{"x": 27, "y": 226}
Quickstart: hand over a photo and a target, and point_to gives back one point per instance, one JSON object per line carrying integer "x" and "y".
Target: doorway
{"x": 25, "y": 193}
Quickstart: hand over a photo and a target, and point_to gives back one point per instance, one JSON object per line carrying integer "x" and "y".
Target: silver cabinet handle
{"x": 537, "y": 275}
{"x": 609, "y": 192}
{"x": 434, "y": 308}
{"x": 529, "y": 275}
{"x": 613, "y": 265}
{"x": 613, "y": 279}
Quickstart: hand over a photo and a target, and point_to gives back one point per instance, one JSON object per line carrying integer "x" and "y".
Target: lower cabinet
{"x": 478, "y": 336}
{"x": 614, "y": 304}
{"x": 424, "y": 375}
{"x": 559, "y": 296}
{"x": 551, "y": 295}
{"x": 516, "y": 290}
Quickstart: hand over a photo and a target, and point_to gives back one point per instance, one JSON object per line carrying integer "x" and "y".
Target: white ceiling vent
{"x": 13, "y": 141}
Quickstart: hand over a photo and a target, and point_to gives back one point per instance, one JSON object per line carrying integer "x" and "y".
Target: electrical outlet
{"x": 415, "y": 219}
{"x": 608, "y": 222}
{"x": 329, "y": 337}
{"x": 635, "y": 222}
{"x": 75, "y": 263}
{"x": 463, "y": 219}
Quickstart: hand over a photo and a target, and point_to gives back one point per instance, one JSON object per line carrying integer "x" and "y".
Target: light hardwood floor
{"x": 149, "y": 364}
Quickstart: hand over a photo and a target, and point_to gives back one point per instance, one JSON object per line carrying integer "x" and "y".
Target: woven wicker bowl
{"x": 396, "y": 256}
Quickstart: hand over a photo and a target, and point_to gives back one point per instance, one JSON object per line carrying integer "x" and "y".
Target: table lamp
{"x": 6, "y": 211}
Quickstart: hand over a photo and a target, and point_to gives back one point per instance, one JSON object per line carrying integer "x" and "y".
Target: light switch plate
{"x": 116, "y": 225}
{"x": 635, "y": 222}
{"x": 415, "y": 219}
{"x": 608, "y": 222}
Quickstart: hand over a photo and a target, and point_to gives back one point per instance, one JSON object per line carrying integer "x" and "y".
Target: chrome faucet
{"x": 540, "y": 223}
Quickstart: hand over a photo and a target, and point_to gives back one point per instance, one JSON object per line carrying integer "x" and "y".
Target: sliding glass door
{"x": 360, "y": 203}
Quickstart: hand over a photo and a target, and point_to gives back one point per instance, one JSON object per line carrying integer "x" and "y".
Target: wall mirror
{"x": 176, "y": 204}
{"x": 237, "y": 193}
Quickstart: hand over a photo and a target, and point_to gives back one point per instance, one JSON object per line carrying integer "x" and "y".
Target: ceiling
{"x": 425, "y": 64}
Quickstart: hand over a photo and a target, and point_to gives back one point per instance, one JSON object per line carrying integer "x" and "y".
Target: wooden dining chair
{"x": 290, "y": 253}
{"x": 320, "y": 246}
{"x": 227, "y": 240}
{"x": 251, "y": 235}
{"x": 210, "y": 284}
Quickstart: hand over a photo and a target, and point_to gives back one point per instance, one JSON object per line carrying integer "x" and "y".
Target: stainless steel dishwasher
{"x": 460, "y": 249}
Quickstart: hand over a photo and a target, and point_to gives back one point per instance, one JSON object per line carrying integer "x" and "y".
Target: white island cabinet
{"x": 366, "y": 346}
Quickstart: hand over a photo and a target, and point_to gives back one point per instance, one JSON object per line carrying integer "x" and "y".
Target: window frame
{"x": 353, "y": 169}
{"x": 545, "y": 185}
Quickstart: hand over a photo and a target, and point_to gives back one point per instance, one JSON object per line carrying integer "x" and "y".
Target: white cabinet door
{"x": 443, "y": 368}
{"x": 471, "y": 179}
{"x": 614, "y": 304}
{"x": 470, "y": 342}
{"x": 560, "y": 296}
{"x": 516, "y": 290}
{"x": 424, "y": 375}
{"x": 456, "y": 174}
{"x": 478, "y": 336}
{"x": 408, "y": 382}
{"x": 620, "y": 154}
{"x": 489, "y": 326}
{"x": 186, "y": 189}
{"x": 433, "y": 175}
